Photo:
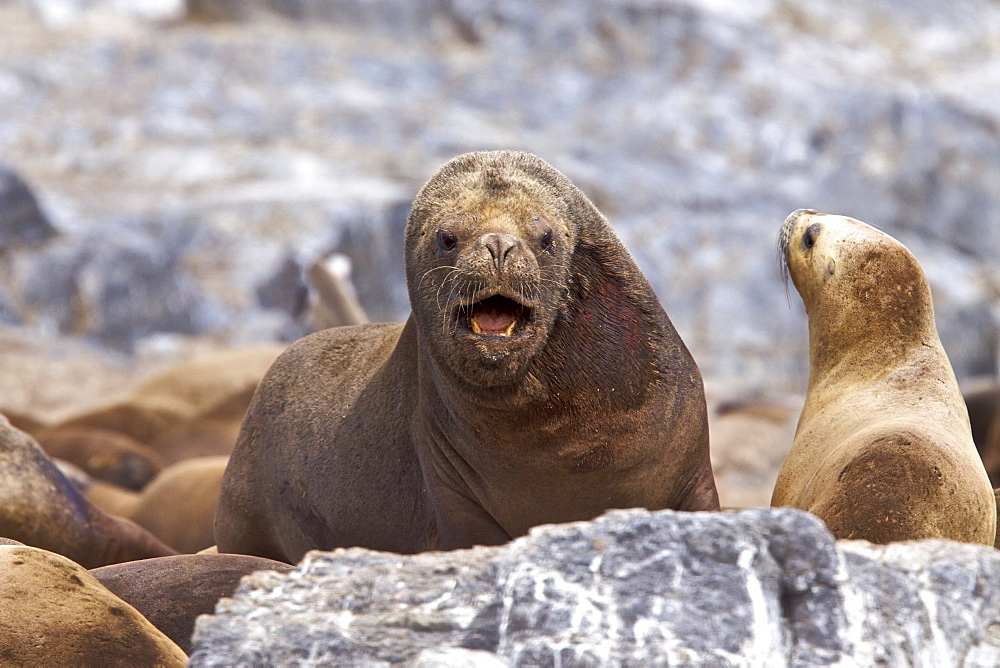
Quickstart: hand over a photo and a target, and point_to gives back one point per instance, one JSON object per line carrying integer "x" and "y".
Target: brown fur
{"x": 883, "y": 450}
{"x": 54, "y": 613}
{"x": 423, "y": 435}
{"x": 41, "y": 508}
{"x": 104, "y": 454}
{"x": 191, "y": 409}
{"x": 179, "y": 504}
{"x": 172, "y": 591}
{"x": 984, "y": 417}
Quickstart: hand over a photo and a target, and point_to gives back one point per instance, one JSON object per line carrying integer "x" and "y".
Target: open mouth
{"x": 495, "y": 316}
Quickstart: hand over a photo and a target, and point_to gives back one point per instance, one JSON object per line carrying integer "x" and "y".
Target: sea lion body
{"x": 104, "y": 454}
{"x": 883, "y": 449}
{"x": 40, "y": 507}
{"x": 537, "y": 380}
{"x": 54, "y": 613}
{"x": 172, "y": 591}
{"x": 178, "y": 505}
{"x": 192, "y": 408}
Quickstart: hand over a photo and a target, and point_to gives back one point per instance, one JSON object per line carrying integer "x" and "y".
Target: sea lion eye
{"x": 446, "y": 240}
{"x": 809, "y": 236}
{"x": 546, "y": 241}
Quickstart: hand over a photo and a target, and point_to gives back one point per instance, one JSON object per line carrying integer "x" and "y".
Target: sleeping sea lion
{"x": 883, "y": 450}
{"x": 537, "y": 380}
{"x": 54, "y": 613}
{"x": 167, "y": 401}
{"x": 178, "y": 506}
{"x": 41, "y": 508}
{"x": 172, "y": 591}
{"x": 104, "y": 454}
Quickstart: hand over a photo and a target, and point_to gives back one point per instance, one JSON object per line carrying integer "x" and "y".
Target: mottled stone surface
{"x": 21, "y": 220}
{"x": 306, "y": 126}
{"x": 764, "y": 587}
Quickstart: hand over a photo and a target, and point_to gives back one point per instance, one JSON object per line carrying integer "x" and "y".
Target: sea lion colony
{"x": 537, "y": 380}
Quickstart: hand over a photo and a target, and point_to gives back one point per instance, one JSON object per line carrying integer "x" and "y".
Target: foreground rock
{"x": 764, "y": 587}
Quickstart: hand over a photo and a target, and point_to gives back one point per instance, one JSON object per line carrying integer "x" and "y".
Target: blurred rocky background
{"x": 169, "y": 170}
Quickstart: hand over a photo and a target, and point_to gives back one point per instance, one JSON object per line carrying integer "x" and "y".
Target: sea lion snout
{"x": 499, "y": 246}
{"x": 500, "y": 256}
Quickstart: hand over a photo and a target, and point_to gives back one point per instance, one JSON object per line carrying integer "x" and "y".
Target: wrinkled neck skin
{"x": 459, "y": 406}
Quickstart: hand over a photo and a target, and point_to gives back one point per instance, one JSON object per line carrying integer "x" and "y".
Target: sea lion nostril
{"x": 499, "y": 246}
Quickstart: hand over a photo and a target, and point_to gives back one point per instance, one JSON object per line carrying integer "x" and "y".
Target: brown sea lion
{"x": 537, "y": 380}
{"x": 54, "y": 613}
{"x": 749, "y": 442}
{"x": 107, "y": 496}
{"x": 883, "y": 450}
{"x": 983, "y": 402}
{"x": 209, "y": 432}
{"x": 178, "y": 506}
{"x": 170, "y": 399}
{"x": 41, "y": 508}
{"x": 104, "y": 454}
{"x": 172, "y": 591}
{"x": 336, "y": 304}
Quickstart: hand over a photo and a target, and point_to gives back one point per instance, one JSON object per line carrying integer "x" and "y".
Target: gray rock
{"x": 696, "y": 127}
{"x": 757, "y": 587}
{"x": 66, "y": 12}
{"x": 21, "y": 220}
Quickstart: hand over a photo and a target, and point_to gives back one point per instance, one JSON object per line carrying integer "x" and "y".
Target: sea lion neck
{"x": 876, "y": 312}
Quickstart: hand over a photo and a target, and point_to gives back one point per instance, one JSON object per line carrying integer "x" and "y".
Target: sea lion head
{"x": 857, "y": 283}
{"x": 488, "y": 247}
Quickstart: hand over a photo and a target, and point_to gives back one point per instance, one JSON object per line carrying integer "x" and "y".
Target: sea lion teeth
{"x": 479, "y": 329}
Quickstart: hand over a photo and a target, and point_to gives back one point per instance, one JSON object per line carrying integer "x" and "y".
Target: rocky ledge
{"x": 757, "y": 587}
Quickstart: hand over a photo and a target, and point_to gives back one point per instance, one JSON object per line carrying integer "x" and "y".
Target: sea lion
{"x": 749, "y": 442}
{"x": 536, "y": 380}
{"x": 41, "y": 508}
{"x": 883, "y": 450}
{"x": 107, "y": 496}
{"x": 168, "y": 400}
{"x": 209, "y": 432}
{"x": 335, "y": 303}
{"x": 178, "y": 506}
{"x": 983, "y": 402}
{"x": 104, "y": 454}
{"x": 172, "y": 591}
{"x": 54, "y": 613}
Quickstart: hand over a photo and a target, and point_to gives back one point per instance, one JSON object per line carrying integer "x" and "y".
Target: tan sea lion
{"x": 749, "y": 442}
{"x": 170, "y": 399}
{"x": 41, "y": 508}
{"x": 172, "y": 591}
{"x": 883, "y": 450}
{"x": 537, "y": 380}
{"x": 54, "y": 613}
{"x": 178, "y": 506}
{"x": 104, "y": 454}
{"x": 209, "y": 432}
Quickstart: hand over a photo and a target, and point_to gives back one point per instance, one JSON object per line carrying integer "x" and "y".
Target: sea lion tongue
{"x": 492, "y": 318}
